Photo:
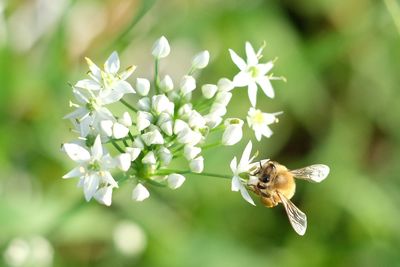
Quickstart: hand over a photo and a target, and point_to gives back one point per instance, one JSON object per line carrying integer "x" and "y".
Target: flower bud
{"x": 161, "y": 103}
{"x": 124, "y": 161}
{"x": 197, "y": 165}
{"x": 179, "y": 126}
{"x": 188, "y": 136}
{"x": 140, "y": 193}
{"x": 142, "y": 86}
{"x": 223, "y": 98}
{"x": 104, "y": 195}
{"x": 161, "y": 48}
{"x": 225, "y": 85}
{"x": 150, "y": 158}
{"x": 106, "y": 126}
{"x": 119, "y": 130}
{"x": 175, "y": 180}
{"x": 209, "y": 90}
{"x": 165, "y": 156}
{"x": 233, "y": 132}
{"x": 144, "y": 104}
{"x": 218, "y": 109}
{"x": 153, "y": 137}
{"x": 166, "y": 84}
{"x": 143, "y": 120}
{"x": 188, "y": 84}
{"x": 200, "y": 61}
{"x": 212, "y": 120}
{"x": 166, "y": 127}
{"x": 133, "y": 152}
{"x": 126, "y": 119}
{"x": 190, "y": 152}
{"x": 138, "y": 143}
{"x": 196, "y": 120}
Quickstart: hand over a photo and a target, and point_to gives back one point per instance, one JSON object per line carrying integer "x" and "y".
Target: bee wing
{"x": 314, "y": 173}
{"x": 297, "y": 218}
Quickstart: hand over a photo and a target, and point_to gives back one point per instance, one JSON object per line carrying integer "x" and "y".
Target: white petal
{"x": 239, "y": 62}
{"x": 124, "y": 161}
{"x": 144, "y": 104}
{"x": 225, "y": 85}
{"x": 107, "y": 178}
{"x": 233, "y": 165}
{"x": 175, "y": 180}
{"x": 110, "y": 96}
{"x": 90, "y": 185}
{"x": 140, "y": 193}
{"x": 252, "y": 93}
{"x": 167, "y": 128}
{"x": 266, "y": 131}
{"x": 119, "y": 130}
{"x": 266, "y": 86}
{"x": 126, "y": 119}
{"x": 188, "y": 84}
{"x": 223, "y": 98}
{"x": 75, "y": 172}
{"x": 244, "y": 161}
{"x": 153, "y": 138}
{"x": 76, "y": 152}
{"x": 232, "y": 135}
{"x": 251, "y": 55}
{"x": 246, "y": 195}
{"x": 123, "y": 87}
{"x": 179, "y": 126}
{"x": 94, "y": 69}
{"x": 264, "y": 68}
{"x": 112, "y": 63}
{"x": 190, "y": 152}
{"x": 104, "y": 195}
{"x": 235, "y": 184}
{"x": 97, "y": 148}
{"x": 143, "y": 120}
{"x": 127, "y": 72}
{"x": 106, "y": 126}
{"x": 166, "y": 84}
{"x": 243, "y": 78}
{"x": 88, "y": 84}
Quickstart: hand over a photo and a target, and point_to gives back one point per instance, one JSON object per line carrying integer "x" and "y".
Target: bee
{"x": 276, "y": 184}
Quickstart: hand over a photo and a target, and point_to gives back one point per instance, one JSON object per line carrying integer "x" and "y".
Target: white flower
{"x": 243, "y": 167}
{"x": 93, "y": 169}
{"x": 209, "y": 90}
{"x": 200, "y": 61}
{"x": 140, "y": 193}
{"x": 212, "y": 120}
{"x": 150, "y": 158}
{"x": 225, "y": 85}
{"x": 179, "y": 126}
{"x": 161, "y": 48}
{"x": 142, "y": 86}
{"x": 258, "y": 121}
{"x": 188, "y": 84}
{"x": 252, "y": 73}
{"x": 166, "y": 84}
{"x": 153, "y": 137}
{"x": 218, "y": 109}
{"x": 233, "y": 132}
{"x": 175, "y": 180}
{"x": 188, "y": 136}
{"x": 196, "y": 120}
{"x": 197, "y": 165}
{"x": 115, "y": 129}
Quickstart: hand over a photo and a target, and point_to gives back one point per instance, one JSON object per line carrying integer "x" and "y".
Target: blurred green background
{"x": 341, "y": 103}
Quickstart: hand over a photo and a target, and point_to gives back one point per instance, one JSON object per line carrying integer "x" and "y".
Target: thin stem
{"x": 131, "y": 136}
{"x": 125, "y": 143}
{"x": 156, "y": 76}
{"x": 128, "y": 105}
{"x": 210, "y": 145}
{"x": 169, "y": 171}
{"x": 117, "y": 146}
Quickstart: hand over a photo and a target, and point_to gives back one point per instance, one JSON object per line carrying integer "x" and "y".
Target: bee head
{"x": 268, "y": 171}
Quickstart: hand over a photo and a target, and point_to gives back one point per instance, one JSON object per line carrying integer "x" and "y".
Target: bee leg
{"x": 268, "y": 202}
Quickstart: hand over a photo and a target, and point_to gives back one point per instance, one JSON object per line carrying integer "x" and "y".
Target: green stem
{"x": 210, "y": 145}
{"x": 131, "y": 136}
{"x": 117, "y": 146}
{"x": 156, "y": 87}
{"x": 128, "y": 105}
{"x": 169, "y": 171}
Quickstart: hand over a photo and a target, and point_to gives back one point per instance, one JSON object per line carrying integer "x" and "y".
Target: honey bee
{"x": 276, "y": 184}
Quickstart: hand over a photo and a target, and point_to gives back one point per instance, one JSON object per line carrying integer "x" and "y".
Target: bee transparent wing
{"x": 297, "y": 218}
{"x": 314, "y": 173}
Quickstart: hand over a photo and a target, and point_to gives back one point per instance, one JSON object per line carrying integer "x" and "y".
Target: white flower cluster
{"x": 162, "y": 124}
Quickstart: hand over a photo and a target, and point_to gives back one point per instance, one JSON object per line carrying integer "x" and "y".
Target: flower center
{"x": 258, "y": 118}
{"x": 94, "y": 166}
{"x": 254, "y": 72}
